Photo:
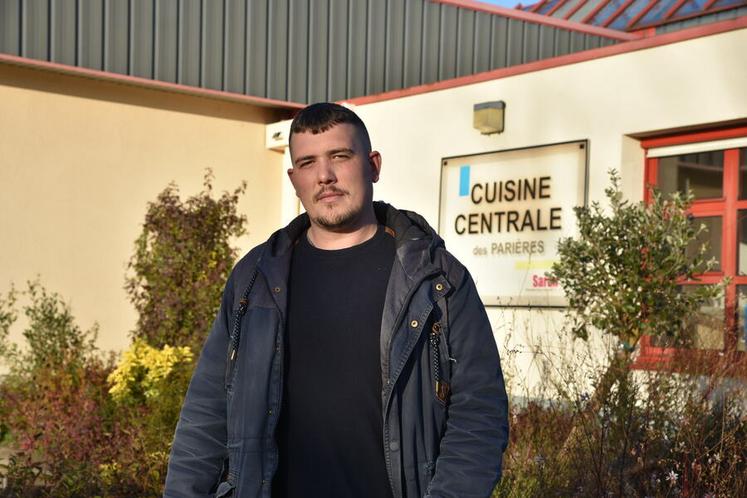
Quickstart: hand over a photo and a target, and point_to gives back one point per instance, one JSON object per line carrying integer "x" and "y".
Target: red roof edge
{"x": 663, "y": 22}
{"x": 540, "y": 19}
{"x": 587, "y": 55}
{"x": 594, "y": 11}
{"x": 674, "y": 8}
{"x": 147, "y": 83}
{"x": 640, "y": 15}
{"x": 559, "y": 4}
{"x": 622, "y": 8}
{"x": 537, "y": 6}
{"x": 574, "y": 9}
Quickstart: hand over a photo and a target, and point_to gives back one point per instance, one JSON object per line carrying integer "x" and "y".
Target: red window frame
{"x": 653, "y": 357}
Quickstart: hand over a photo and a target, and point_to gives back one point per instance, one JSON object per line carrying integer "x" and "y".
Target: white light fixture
{"x": 488, "y": 117}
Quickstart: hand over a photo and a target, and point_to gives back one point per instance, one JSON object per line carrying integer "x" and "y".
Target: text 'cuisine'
{"x": 510, "y": 220}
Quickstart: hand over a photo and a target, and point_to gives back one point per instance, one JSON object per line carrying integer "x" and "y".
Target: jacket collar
{"x": 416, "y": 241}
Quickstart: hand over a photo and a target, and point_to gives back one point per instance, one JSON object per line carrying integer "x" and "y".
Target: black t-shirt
{"x": 330, "y": 430}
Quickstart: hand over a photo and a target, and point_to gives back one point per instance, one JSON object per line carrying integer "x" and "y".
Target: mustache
{"x": 329, "y": 190}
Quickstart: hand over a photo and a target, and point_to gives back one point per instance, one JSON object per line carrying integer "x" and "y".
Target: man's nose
{"x": 326, "y": 172}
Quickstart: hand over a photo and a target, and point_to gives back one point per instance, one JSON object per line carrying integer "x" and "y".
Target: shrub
{"x": 79, "y": 423}
{"x": 144, "y": 372}
{"x": 54, "y": 400}
{"x": 149, "y": 385}
{"x": 607, "y": 430}
{"x": 181, "y": 263}
{"x": 655, "y": 434}
{"x": 622, "y": 275}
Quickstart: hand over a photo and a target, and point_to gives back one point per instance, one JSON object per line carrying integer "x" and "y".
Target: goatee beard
{"x": 336, "y": 221}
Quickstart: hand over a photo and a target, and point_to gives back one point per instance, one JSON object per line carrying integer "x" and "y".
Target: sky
{"x": 507, "y": 3}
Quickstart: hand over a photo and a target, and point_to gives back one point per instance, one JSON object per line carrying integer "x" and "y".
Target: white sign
{"x": 502, "y": 214}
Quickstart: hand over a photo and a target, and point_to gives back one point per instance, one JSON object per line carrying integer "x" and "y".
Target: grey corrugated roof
{"x": 292, "y": 50}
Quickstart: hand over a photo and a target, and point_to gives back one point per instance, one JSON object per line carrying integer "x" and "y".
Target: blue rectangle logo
{"x": 463, "y": 181}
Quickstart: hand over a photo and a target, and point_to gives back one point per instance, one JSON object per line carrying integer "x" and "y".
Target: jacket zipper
{"x": 390, "y": 385}
{"x": 235, "y": 338}
{"x": 275, "y": 413}
{"x": 442, "y": 387}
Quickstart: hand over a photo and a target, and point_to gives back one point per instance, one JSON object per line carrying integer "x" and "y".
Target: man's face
{"x": 333, "y": 175}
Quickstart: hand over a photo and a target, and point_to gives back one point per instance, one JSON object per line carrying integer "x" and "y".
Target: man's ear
{"x": 374, "y": 161}
{"x": 290, "y": 172}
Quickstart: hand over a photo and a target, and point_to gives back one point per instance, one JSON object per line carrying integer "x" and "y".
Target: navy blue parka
{"x": 444, "y": 401}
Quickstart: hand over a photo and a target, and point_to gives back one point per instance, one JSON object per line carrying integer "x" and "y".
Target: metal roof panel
{"x": 298, "y": 50}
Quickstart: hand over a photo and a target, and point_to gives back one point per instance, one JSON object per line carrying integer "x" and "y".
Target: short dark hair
{"x": 320, "y": 117}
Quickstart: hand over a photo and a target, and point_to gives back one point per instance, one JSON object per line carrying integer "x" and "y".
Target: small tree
{"x": 622, "y": 275}
{"x": 181, "y": 262}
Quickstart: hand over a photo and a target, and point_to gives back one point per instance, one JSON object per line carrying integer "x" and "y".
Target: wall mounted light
{"x": 488, "y": 117}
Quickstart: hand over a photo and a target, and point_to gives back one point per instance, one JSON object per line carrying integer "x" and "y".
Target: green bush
{"x": 78, "y": 422}
{"x": 54, "y": 404}
{"x": 607, "y": 430}
{"x": 655, "y": 434}
{"x": 181, "y": 262}
{"x": 622, "y": 274}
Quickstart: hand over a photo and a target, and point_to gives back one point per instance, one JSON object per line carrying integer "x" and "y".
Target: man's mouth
{"x": 329, "y": 195}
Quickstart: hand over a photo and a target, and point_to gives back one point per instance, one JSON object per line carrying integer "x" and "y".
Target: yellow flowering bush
{"x": 144, "y": 371}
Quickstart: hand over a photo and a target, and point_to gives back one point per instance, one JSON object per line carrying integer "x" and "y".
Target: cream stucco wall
{"x": 80, "y": 159}
{"x": 606, "y": 100}
{"x": 690, "y": 83}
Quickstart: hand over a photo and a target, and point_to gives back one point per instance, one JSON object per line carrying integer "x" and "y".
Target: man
{"x": 351, "y": 356}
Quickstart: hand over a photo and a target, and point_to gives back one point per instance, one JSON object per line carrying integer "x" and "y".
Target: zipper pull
{"x": 442, "y": 390}
{"x": 436, "y": 334}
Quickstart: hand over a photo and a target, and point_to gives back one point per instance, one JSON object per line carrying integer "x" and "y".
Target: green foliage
{"x": 53, "y": 401}
{"x": 52, "y": 336}
{"x": 622, "y": 273}
{"x": 608, "y": 430}
{"x": 654, "y": 434}
{"x": 8, "y": 317}
{"x": 78, "y": 426}
{"x": 54, "y": 339}
{"x": 182, "y": 260}
{"x": 144, "y": 372}
{"x": 150, "y": 383}
{"x": 69, "y": 436}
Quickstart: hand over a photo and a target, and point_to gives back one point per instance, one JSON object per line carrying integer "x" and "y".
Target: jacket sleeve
{"x": 471, "y": 450}
{"x": 199, "y": 448}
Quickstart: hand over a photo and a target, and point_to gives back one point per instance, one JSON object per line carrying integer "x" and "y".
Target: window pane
{"x": 741, "y": 315}
{"x": 701, "y": 172}
{"x": 711, "y": 236}
{"x": 743, "y": 173}
{"x": 705, "y": 329}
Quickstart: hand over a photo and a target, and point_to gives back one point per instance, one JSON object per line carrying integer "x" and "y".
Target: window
{"x": 713, "y": 165}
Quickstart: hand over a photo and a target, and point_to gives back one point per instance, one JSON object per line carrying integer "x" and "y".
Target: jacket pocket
{"x": 439, "y": 368}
